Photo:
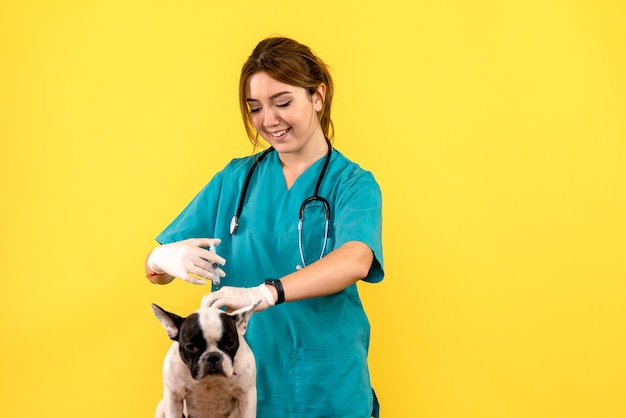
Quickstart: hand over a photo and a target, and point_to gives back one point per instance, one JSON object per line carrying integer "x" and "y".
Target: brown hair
{"x": 291, "y": 63}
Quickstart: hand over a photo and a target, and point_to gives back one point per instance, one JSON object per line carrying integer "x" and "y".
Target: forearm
{"x": 336, "y": 271}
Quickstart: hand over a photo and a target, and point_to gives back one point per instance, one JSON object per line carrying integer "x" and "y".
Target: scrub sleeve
{"x": 312, "y": 354}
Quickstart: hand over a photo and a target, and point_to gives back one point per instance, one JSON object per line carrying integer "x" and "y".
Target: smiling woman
{"x": 313, "y": 265}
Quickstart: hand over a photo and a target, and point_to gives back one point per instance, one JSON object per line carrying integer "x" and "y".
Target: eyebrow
{"x": 273, "y": 96}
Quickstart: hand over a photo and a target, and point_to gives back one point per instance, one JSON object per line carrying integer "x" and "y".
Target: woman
{"x": 306, "y": 228}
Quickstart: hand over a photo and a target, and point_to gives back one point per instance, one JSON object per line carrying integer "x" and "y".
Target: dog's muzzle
{"x": 211, "y": 364}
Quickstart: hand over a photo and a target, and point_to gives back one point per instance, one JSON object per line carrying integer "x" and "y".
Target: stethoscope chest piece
{"x": 234, "y": 224}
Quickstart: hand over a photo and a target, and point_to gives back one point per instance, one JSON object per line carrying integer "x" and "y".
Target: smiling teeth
{"x": 279, "y": 133}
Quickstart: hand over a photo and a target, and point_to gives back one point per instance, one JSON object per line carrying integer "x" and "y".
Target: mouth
{"x": 209, "y": 371}
{"x": 214, "y": 370}
{"x": 279, "y": 134}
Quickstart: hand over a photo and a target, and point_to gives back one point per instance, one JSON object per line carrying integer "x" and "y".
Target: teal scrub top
{"x": 312, "y": 354}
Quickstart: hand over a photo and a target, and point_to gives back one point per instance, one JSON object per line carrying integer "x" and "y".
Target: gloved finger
{"x": 202, "y": 248}
{"x": 207, "y": 265}
{"x": 204, "y": 242}
{"x": 211, "y": 299}
{"x": 204, "y": 272}
{"x": 194, "y": 275}
{"x": 218, "y": 304}
{"x": 210, "y": 256}
{"x": 193, "y": 280}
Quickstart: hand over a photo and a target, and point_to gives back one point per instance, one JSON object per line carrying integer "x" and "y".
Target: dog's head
{"x": 208, "y": 339}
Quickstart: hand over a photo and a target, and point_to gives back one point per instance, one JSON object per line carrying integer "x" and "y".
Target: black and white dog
{"x": 209, "y": 371}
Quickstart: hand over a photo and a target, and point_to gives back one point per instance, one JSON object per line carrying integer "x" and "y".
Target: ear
{"x": 171, "y": 322}
{"x": 242, "y": 316}
{"x": 319, "y": 97}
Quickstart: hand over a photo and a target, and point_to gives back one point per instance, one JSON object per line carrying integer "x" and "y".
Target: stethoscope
{"x": 314, "y": 200}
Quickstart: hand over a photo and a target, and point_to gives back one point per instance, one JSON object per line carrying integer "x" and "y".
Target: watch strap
{"x": 279, "y": 289}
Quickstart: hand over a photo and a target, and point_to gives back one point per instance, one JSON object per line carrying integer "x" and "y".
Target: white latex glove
{"x": 184, "y": 259}
{"x": 239, "y": 297}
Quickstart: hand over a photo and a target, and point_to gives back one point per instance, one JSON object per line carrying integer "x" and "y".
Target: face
{"x": 285, "y": 116}
{"x": 208, "y": 343}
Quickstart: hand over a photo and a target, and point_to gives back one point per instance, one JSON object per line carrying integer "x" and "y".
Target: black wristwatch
{"x": 279, "y": 289}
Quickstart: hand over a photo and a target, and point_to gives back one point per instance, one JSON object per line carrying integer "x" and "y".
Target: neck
{"x": 305, "y": 157}
{"x": 295, "y": 164}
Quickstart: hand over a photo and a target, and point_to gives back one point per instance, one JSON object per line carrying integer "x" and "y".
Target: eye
{"x": 254, "y": 109}
{"x": 191, "y": 347}
{"x": 228, "y": 344}
{"x": 285, "y": 104}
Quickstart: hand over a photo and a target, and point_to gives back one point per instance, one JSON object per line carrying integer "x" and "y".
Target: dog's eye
{"x": 228, "y": 344}
{"x": 191, "y": 347}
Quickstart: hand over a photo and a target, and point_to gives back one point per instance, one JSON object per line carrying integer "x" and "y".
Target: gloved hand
{"x": 239, "y": 297}
{"x": 186, "y": 258}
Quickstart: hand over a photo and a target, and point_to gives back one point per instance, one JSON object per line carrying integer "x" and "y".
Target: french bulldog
{"x": 209, "y": 370}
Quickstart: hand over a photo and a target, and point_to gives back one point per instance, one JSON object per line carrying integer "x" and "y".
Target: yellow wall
{"x": 496, "y": 130}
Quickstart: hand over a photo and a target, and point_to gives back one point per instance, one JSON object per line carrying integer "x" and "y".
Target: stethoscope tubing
{"x": 326, "y": 208}
{"x": 234, "y": 223}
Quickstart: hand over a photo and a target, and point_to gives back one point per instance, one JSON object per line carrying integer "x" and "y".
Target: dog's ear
{"x": 171, "y": 322}
{"x": 242, "y": 316}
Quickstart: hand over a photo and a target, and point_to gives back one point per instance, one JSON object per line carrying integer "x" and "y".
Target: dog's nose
{"x": 214, "y": 359}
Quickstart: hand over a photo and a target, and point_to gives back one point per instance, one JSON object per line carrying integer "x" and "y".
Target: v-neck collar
{"x": 315, "y": 168}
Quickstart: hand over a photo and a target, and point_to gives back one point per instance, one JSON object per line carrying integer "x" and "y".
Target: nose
{"x": 214, "y": 359}
{"x": 270, "y": 118}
